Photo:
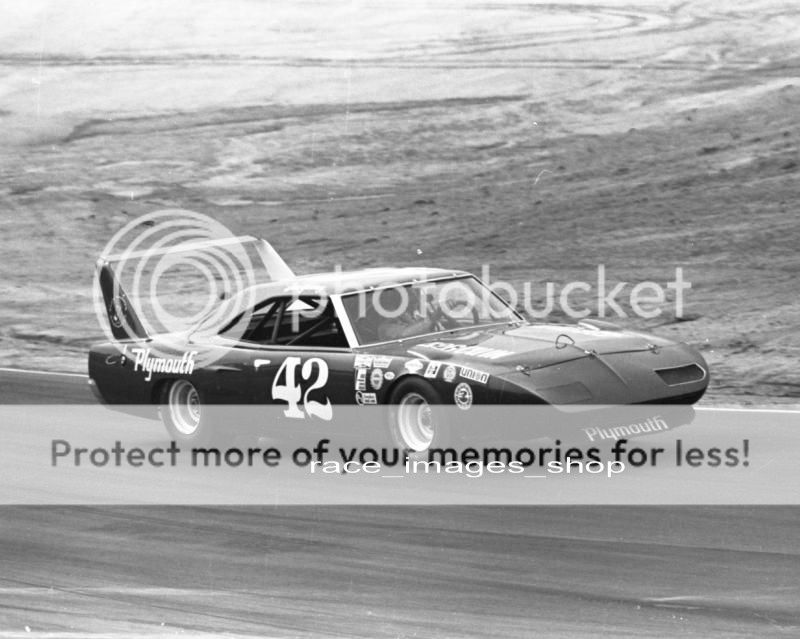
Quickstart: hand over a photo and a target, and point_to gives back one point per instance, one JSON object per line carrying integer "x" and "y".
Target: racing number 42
{"x": 285, "y": 387}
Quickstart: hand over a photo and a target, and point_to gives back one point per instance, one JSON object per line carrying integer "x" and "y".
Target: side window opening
{"x": 262, "y": 326}
{"x": 304, "y": 321}
{"x": 257, "y": 326}
{"x": 310, "y": 322}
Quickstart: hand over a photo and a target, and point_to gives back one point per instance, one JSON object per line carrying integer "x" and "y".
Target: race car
{"x": 406, "y": 338}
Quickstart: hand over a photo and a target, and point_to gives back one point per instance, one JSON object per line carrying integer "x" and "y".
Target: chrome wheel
{"x": 415, "y": 422}
{"x": 184, "y": 407}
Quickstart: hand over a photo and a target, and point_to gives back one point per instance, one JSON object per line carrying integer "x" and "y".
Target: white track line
{"x": 150, "y": 633}
{"x": 748, "y": 410}
{"x": 117, "y": 590}
{"x": 32, "y": 372}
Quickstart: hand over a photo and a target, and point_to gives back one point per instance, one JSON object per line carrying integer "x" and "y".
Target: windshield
{"x": 421, "y": 308}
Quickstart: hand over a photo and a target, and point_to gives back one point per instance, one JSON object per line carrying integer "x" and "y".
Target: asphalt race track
{"x": 391, "y": 572}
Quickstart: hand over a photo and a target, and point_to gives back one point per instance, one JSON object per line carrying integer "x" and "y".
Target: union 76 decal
{"x": 285, "y": 387}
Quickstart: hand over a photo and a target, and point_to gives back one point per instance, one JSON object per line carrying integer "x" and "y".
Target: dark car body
{"x": 316, "y": 368}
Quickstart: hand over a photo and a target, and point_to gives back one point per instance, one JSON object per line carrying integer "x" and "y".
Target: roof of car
{"x": 372, "y": 278}
{"x": 351, "y": 281}
{"x": 327, "y": 284}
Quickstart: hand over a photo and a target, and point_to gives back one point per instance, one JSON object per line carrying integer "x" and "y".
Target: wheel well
{"x": 409, "y": 377}
{"x": 397, "y": 380}
{"x": 389, "y": 389}
{"x": 158, "y": 388}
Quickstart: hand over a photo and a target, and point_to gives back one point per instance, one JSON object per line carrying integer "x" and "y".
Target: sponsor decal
{"x": 650, "y": 425}
{"x": 433, "y": 370}
{"x": 183, "y": 365}
{"x": 376, "y": 378}
{"x": 389, "y": 376}
{"x": 481, "y": 352}
{"x": 449, "y": 373}
{"x": 474, "y": 375}
{"x": 117, "y": 309}
{"x": 361, "y": 379}
{"x": 363, "y": 399}
{"x": 362, "y": 361}
{"x": 463, "y": 396}
{"x": 414, "y": 366}
{"x": 381, "y": 361}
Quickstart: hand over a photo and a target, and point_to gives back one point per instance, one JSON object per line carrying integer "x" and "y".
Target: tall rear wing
{"x": 212, "y": 257}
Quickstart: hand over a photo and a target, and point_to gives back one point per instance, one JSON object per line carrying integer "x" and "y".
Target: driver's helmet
{"x": 391, "y": 302}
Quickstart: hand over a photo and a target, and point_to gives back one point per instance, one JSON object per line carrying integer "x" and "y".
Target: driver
{"x": 397, "y": 320}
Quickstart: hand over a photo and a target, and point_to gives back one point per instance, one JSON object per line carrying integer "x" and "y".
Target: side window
{"x": 262, "y": 326}
{"x": 310, "y": 322}
{"x": 257, "y": 326}
{"x": 306, "y": 321}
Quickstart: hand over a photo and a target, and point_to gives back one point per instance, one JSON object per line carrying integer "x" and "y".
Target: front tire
{"x": 417, "y": 421}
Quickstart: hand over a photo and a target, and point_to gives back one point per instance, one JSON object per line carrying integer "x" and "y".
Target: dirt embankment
{"x": 541, "y": 141}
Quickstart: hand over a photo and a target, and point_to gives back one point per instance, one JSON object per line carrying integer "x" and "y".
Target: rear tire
{"x": 417, "y": 420}
{"x": 185, "y": 416}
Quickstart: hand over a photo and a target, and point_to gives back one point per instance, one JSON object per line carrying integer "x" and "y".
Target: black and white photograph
{"x": 348, "y": 318}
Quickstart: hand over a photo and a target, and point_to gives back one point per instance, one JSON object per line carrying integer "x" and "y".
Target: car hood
{"x": 533, "y": 346}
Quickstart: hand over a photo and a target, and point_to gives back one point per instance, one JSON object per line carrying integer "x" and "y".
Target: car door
{"x": 238, "y": 375}
{"x": 315, "y": 362}
{"x": 291, "y": 352}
